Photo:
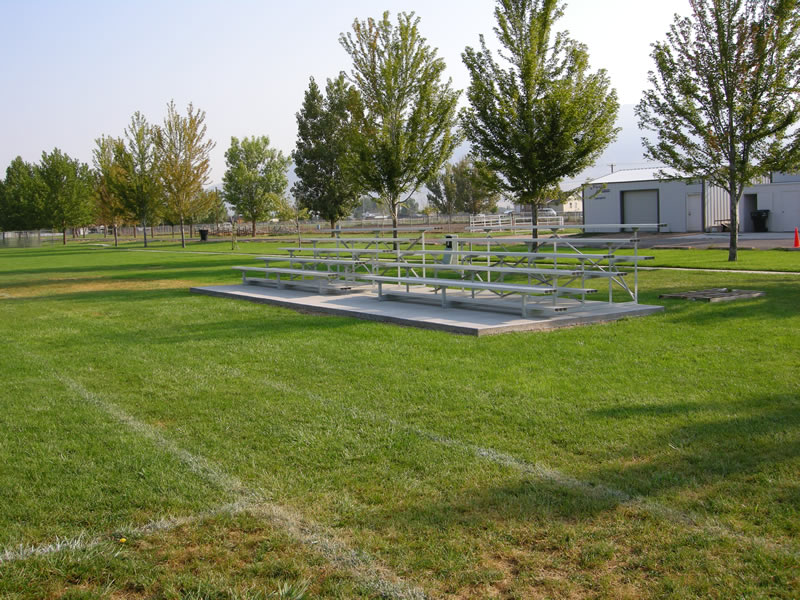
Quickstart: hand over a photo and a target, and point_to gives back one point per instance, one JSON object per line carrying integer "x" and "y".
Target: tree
{"x": 724, "y": 102}
{"x": 544, "y": 117}
{"x": 293, "y": 213}
{"x": 442, "y": 192}
{"x": 201, "y": 207}
{"x": 410, "y": 208}
{"x": 67, "y": 191}
{"x": 21, "y": 200}
{"x": 474, "y": 187}
{"x": 367, "y": 206}
{"x": 255, "y": 179}
{"x": 109, "y": 206}
{"x": 137, "y": 182}
{"x": 211, "y": 207}
{"x": 325, "y": 187}
{"x": 406, "y": 128}
{"x": 185, "y": 165}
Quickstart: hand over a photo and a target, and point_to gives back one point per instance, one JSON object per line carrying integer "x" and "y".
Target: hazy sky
{"x": 71, "y": 70}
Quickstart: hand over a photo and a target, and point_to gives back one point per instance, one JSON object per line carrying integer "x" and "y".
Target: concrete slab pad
{"x": 468, "y": 321}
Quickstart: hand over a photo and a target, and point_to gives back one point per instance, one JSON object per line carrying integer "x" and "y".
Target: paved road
{"x": 759, "y": 241}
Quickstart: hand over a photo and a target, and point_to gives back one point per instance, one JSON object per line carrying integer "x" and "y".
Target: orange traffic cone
{"x": 796, "y": 238}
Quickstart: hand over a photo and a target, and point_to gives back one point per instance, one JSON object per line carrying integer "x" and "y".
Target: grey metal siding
{"x": 718, "y": 206}
{"x": 785, "y": 177}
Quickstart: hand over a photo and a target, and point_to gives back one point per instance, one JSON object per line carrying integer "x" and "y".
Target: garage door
{"x": 640, "y": 206}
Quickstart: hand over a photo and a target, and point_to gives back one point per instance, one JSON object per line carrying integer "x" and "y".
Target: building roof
{"x": 648, "y": 174}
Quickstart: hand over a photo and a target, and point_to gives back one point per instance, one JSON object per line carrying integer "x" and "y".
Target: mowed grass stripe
{"x": 66, "y": 468}
{"x": 693, "y": 521}
{"x": 375, "y": 576}
{"x": 694, "y": 410}
{"x": 539, "y": 470}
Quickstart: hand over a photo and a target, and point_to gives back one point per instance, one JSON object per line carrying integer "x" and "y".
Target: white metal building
{"x": 686, "y": 205}
{"x": 780, "y": 196}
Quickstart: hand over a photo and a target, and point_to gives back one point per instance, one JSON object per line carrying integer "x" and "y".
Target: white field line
{"x": 197, "y": 464}
{"x": 338, "y": 553}
{"x": 692, "y": 521}
{"x": 84, "y": 542}
{"x": 376, "y": 577}
{"x": 545, "y": 473}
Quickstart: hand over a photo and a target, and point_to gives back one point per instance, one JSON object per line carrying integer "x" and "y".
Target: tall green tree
{"x": 255, "y": 180}
{"x": 138, "y": 175}
{"x": 323, "y": 155}
{"x": 724, "y": 101}
{"x": 474, "y": 187}
{"x": 541, "y": 115}
{"x": 406, "y": 131}
{"x": 109, "y": 207}
{"x": 442, "y": 192}
{"x": 21, "y": 200}
{"x": 185, "y": 162}
{"x": 215, "y": 210}
{"x": 67, "y": 191}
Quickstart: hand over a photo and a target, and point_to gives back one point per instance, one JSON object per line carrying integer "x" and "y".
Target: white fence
{"x": 511, "y": 221}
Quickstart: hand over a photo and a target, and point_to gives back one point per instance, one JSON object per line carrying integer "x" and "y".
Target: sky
{"x": 72, "y": 70}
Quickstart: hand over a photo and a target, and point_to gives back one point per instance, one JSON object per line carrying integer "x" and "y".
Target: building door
{"x": 787, "y": 212}
{"x": 640, "y": 206}
{"x": 747, "y": 205}
{"x": 694, "y": 212}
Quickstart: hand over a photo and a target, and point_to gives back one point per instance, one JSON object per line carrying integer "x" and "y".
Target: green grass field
{"x": 244, "y": 451}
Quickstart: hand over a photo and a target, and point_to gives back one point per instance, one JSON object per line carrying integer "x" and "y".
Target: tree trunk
{"x": 534, "y": 225}
{"x": 116, "y": 240}
{"x": 64, "y": 236}
{"x": 191, "y": 230}
{"x": 183, "y": 238}
{"x": 254, "y": 228}
{"x": 333, "y": 226}
{"x": 733, "y": 248}
{"x": 144, "y": 232}
{"x": 394, "y": 205}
